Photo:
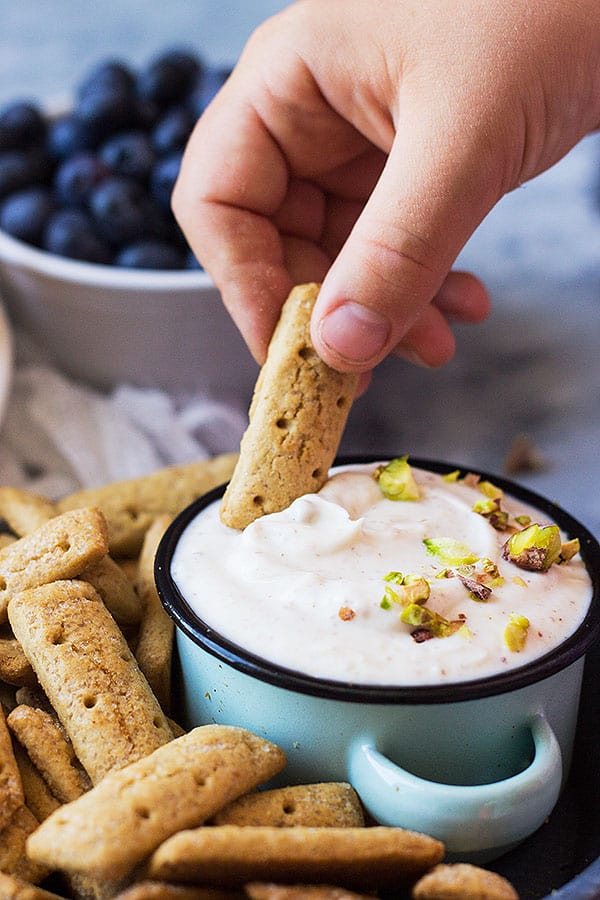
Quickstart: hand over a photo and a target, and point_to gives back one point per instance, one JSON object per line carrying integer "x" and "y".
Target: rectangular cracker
{"x": 11, "y": 788}
{"x": 231, "y": 855}
{"x": 24, "y": 511}
{"x": 15, "y": 668}
{"x": 60, "y": 548}
{"x": 13, "y": 840}
{"x": 50, "y": 750}
{"x": 89, "y": 675}
{"x": 160, "y": 890}
{"x": 154, "y": 647}
{"x": 115, "y": 826}
{"x": 325, "y": 805}
{"x": 261, "y": 890}
{"x": 131, "y": 506}
{"x": 38, "y": 796}
{"x": 296, "y": 418}
{"x": 116, "y": 590}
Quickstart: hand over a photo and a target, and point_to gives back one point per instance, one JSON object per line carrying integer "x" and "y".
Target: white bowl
{"x": 6, "y": 361}
{"x": 108, "y": 325}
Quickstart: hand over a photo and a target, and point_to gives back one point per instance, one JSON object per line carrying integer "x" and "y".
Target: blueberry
{"x": 108, "y": 73}
{"x": 24, "y": 214}
{"x": 163, "y": 178}
{"x": 210, "y": 81}
{"x": 104, "y": 111}
{"x": 129, "y": 153}
{"x": 168, "y": 77}
{"x": 150, "y": 254}
{"x": 76, "y": 178}
{"x": 172, "y": 131}
{"x": 19, "y": 169}
{"x": 21, "y": 125}
{"x": 66, "y": 136}
{"x": 70, "y": 232}
{"x": 119, "y": 208}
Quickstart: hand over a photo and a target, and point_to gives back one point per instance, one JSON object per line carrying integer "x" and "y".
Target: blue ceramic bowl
{"x": 479, "y": 764}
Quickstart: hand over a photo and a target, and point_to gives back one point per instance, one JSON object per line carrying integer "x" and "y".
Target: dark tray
{"x": 561, "y": 861}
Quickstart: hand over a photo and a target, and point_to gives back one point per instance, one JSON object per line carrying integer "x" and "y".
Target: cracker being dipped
{"x": 297, "y": 415}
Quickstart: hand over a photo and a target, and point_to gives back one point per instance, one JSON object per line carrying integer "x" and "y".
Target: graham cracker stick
{"x": 231, "y": 855}
{"x": 11, "y": 788}
{"x": 131, "y": 506}
{"x": 50, "y": 750}
{"x": 297, "y": 415}
{"x": 60, "y": 548}
{"x": 327, "y": 804}
{"x": 154, "y": 648}
{"x": 89, "y": 675}
{"x": 116, "y": 825}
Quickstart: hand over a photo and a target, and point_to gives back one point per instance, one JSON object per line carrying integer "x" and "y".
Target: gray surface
{"x": 533, "y": 368}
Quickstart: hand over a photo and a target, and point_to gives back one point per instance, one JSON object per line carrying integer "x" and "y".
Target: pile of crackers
{"x": 103, "y": 794}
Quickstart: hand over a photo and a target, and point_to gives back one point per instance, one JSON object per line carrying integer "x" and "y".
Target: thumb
{"x": 377, "y": 294}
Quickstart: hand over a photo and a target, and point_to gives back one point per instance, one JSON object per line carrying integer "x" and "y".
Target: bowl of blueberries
{"x": 93, "y": 266}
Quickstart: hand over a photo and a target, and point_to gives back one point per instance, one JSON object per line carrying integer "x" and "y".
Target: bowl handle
{"x": 475, "y": 822}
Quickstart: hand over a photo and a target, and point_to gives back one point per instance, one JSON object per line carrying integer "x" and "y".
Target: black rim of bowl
{"x": 209, "y": 640}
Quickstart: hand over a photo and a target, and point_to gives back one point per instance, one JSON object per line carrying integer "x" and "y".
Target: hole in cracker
{"x": 64, "y": 545}
{"x": 142, "y": 812}
{"x": 283, "y": 424}
{"x": 307, "y": 353}
{"x": 89, "y": 701}
{"x": 56, "y": 636}
{"x": 199, "y": 781}
{"x": 289, "y": 807}
{"x": 2, "y": 584}
{"x": 157, "y": 722}
{"x": 316, "y": 473}
{"x": 258, "y": 500}
{"x": 341, "y": 402}
{"x": 132, "y": 511}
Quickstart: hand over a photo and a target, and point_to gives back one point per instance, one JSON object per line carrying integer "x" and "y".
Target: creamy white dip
{"x": 303, "y": 587}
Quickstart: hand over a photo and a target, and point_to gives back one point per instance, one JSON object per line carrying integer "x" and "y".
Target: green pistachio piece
{"x": 422, "y": 617}
{"x": 452, "y": 476}
{"x": 449, "y": 551}
{"x": 396, "y": 480}
{"x": 490, "y": 490}
{"x": 515, "y": 633}
{"x": 534, "y": 548}
{"x": 407, "y": 589}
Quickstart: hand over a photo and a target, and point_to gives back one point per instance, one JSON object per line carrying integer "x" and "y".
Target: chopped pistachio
{"x": 515, "y": 633}
{"x": 465, "y": 631}
{"x": 452, "y": 476}
{"x": 422, "y": 617}
{"x": 487, "y": 506}
{"x": 407, "y": 589}
{"x": 396, "y": 480}
{"x": 395, "y": 577}
{"x": 490, "y": 490}
{"x": 534, "y": 548}
{"x": 518, "y": 580}
{"x": 346, "y": 613}
{"x": 450, "y": 551}
{"x": 523, "y": 520}
{"x": 477, "y": 590}
{"x": 568, "y": 550}
{"x": 490, "y": 509}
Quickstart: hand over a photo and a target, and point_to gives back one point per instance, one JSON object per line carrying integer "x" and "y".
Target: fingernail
{"x": 354, "y": 332}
